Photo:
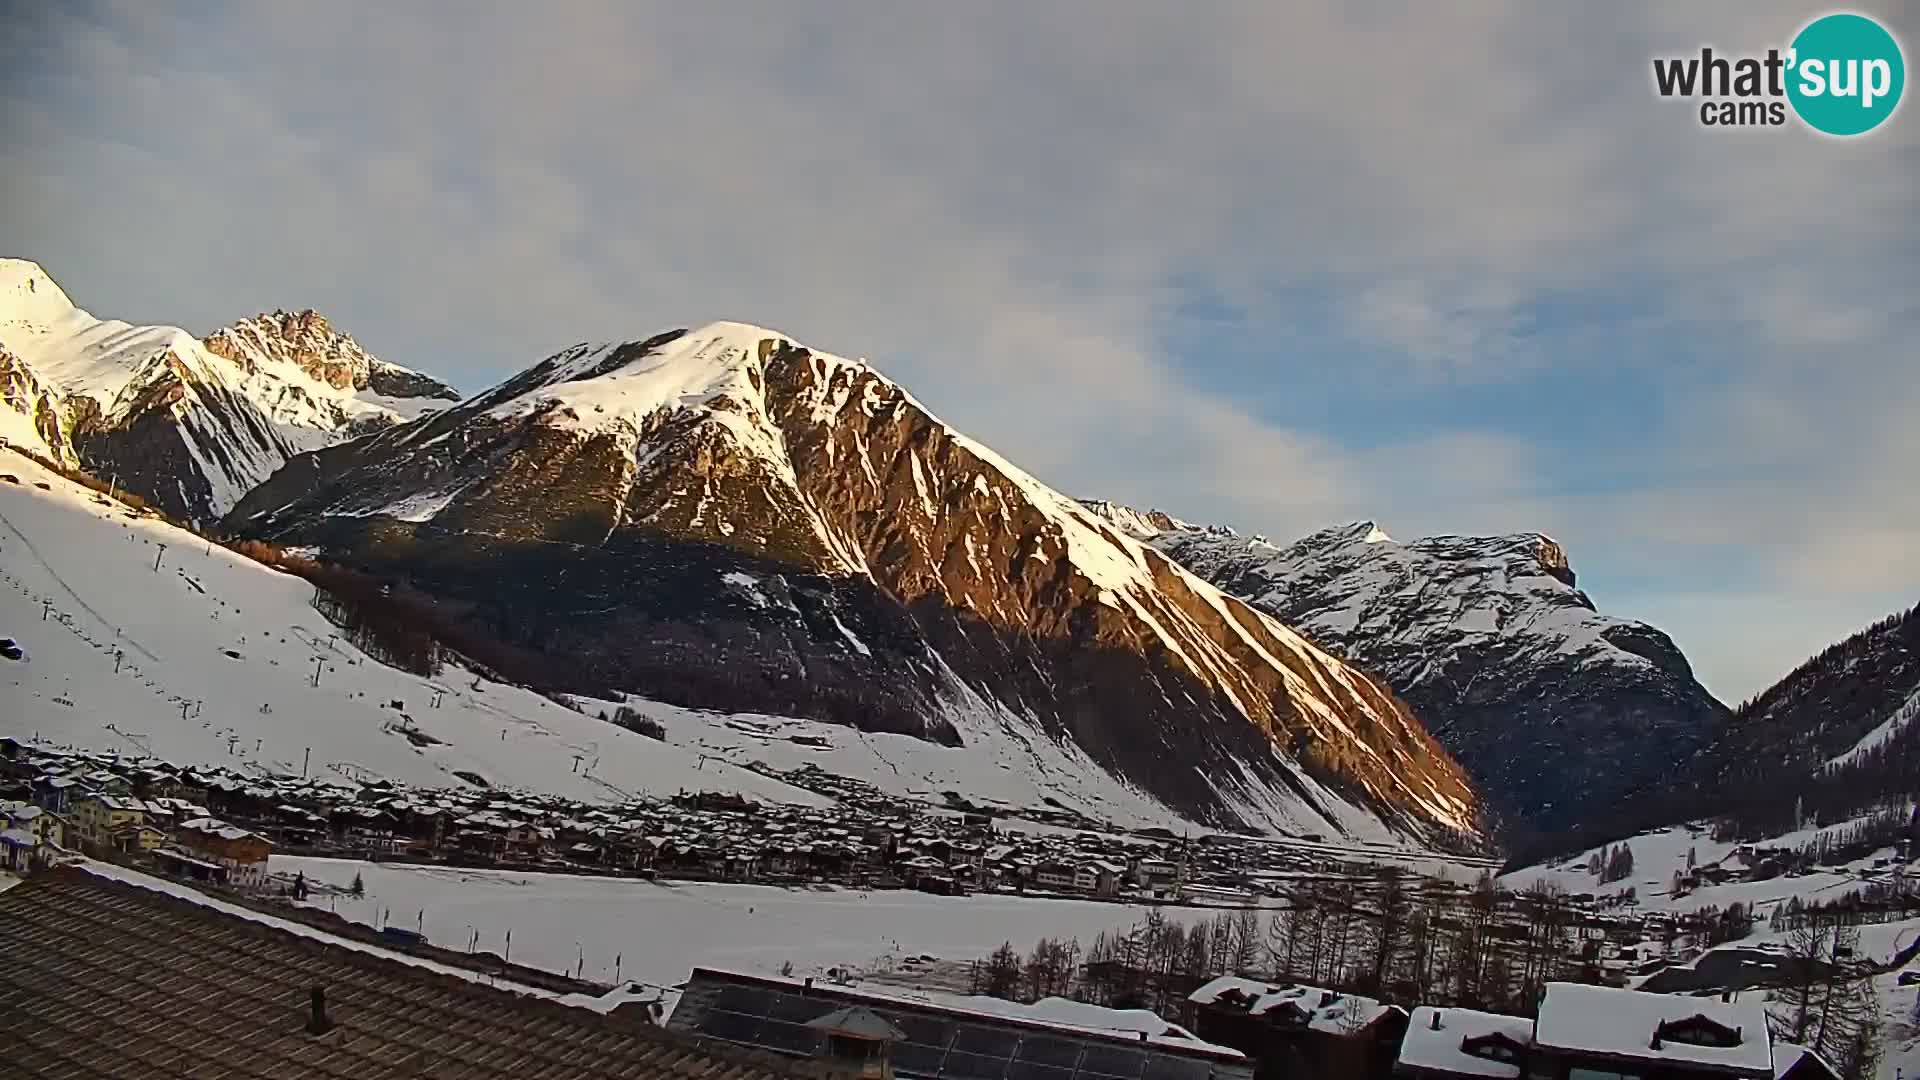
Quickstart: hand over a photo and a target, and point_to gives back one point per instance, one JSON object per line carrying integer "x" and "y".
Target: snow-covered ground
{"x": 1658, "y": 854}
{"x": 660, "y": 931}
{"x": 215, "y": 657}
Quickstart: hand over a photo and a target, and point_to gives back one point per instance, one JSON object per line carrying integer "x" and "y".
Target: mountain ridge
{"x": 1539, "y": 695}
{"x": 188, "y": 424}
{"x": 857, "y": 543}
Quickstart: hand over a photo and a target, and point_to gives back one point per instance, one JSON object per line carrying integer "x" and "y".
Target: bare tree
{"x": 1246, "y": 942}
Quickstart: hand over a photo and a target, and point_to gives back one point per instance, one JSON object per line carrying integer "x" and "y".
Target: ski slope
{"x": 216, "y": 656}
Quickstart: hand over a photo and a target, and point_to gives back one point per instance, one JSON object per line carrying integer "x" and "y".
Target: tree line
{"x": 1389, "y": 936}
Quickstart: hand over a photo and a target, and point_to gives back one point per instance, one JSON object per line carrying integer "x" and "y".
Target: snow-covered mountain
{"x": 188, "y": 425}
{"x": 724, "y": 518}
{"x": 1548, "y": 703}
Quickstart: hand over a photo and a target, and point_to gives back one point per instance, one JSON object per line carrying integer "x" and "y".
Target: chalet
{"x": 241, "y": 853}
{"x": 1295, "y": 1032}
{"x": 1603, "y": 1033}
{"x": 1463, "y": 1044}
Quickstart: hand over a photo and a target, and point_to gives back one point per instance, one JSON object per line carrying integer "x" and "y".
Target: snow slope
{"x": 1659, "y": 853}
{"x": 210, "y": 639}
{"x": 179, "y": 695}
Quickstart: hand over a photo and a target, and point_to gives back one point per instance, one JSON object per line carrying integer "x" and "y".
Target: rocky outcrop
{"x": 1549, "y": 704}
{"x": 307, "y": 341}
{"x": 723, "y": 518}
{"x": 33, "y": 413}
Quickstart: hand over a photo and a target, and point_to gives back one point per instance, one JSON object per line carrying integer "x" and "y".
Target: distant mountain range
{"x": 724, "y": 519}
{"x": 188, "y": 424}
{"x": 1548, "y": 703}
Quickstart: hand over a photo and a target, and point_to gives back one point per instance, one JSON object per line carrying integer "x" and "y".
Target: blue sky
{"x": 1451, "y": 268}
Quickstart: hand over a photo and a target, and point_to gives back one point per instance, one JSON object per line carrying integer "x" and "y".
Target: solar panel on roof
{"x": 743, "y": 999}
{"x": 925, "y": 1030}
{"x": 917, "y": 1059}
{"x": 791, "y": 1038}
{"x": 1045, "y": 1050}
{"x": 992, "y": 1042}
{"x": 1168, "y": 1067}
{"x": 1027, "y": 1070}
{"x": 731, "y": 1026}
{"x": 797, "y": 1009}
{"x": 961, "y": 1066}
{"x": 1112, "y": 1061}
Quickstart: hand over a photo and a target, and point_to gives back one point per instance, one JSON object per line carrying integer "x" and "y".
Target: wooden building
{"x": 1296, "y": 1032}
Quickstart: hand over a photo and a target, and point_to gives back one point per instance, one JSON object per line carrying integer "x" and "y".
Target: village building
{"x": 242, "y": 854}
{"x": 46, "y": 827}
{"x": 1604, "y": 1033}
{"x": 1297, "y": 1032}
{"x": 1463, "y": 1044}
{"x": 113, "y": 821}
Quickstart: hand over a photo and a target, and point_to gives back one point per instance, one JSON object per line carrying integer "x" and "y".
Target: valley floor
{"x": 657, "y": 933}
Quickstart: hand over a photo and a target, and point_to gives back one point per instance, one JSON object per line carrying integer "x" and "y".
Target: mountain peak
{"x": 847, "y": 554}
{"x": 309, "y": 342}
{"x": 29, "y": 297}
{"x": 1139, "y": 524}
{"x": 1487, "y": 636}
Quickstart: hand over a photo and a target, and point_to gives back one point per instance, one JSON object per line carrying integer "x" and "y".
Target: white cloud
{"x": 991, "y": 202}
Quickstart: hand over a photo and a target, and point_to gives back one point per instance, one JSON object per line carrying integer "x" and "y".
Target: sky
{"x": 1450, "y": 268}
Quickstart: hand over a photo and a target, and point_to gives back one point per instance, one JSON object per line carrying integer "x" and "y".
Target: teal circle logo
{"x": 1846, "y": 74}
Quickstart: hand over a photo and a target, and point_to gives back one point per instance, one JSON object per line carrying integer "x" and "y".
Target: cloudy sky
{"x": 1453, "y": 268}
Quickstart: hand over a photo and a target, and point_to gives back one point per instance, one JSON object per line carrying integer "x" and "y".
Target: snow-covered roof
{"x": 1058, "y": 1013}
{"x": 216, "y": 827}
{"x": 1439, "y": 1048}
{"x": 1325, "y": 1010}
{"x": 1786, "y": 1055}
{"x": 159, "y": 885}
{"x": 1617, "y": 1023}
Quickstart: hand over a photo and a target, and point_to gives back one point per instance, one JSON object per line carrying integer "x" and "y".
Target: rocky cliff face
{"x": 188, "y": 425}
{"x": 1550, "y": 705}
{"x": 724, "y": 518}
{"x": 306, "y": 341}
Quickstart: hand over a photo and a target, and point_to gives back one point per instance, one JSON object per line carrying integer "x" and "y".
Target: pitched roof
{"x": 1440, "y": 1045}
{"x": 109, "y": 979}
{"x": 1632, "y": 1025}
